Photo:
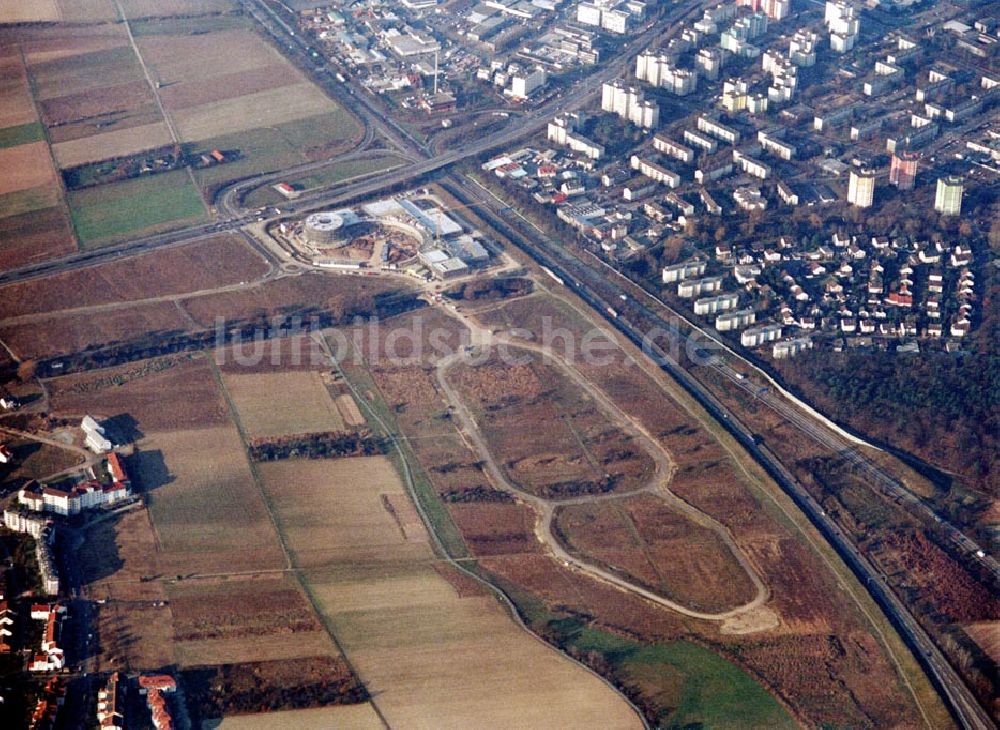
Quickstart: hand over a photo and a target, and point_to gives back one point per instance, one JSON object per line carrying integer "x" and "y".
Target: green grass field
{"x": 110, "y": 213}
{"x": 336, "y": 173}
{"x": 713, "y": 693}
{"x": 21, "y": 134}
{"x": 689, "y": 685}
{"x": 268, "y": 149}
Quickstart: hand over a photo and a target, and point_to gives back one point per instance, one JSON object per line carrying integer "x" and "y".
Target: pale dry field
{"x": 167, "y": 8}
{"x": 117, "y": 143}
{"x": 987, "y": 635}
{"x": 429, "y": 657}
{"x": 254, "y": 649}
{"x": 262, "y": 109}
{"x": 29, "y": 11}
{"x": 87, "y": 11}
{"x": 52, "y": 49}
{"x": 277, "y": 404}
{"x": 25, "y": 166}
{"x": 208, "y": 515}
{"x": 180, "y": 58}
{"x": 16, "y": 106}
{"x": 331, "y": 511}
{"x": 342, "y": 717}
{"x": 349, "y": 410}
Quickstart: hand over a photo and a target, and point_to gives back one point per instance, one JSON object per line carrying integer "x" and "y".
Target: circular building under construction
{"x": 324, "y": 228}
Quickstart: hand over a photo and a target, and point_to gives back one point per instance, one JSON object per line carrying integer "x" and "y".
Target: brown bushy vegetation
{"x": 232, "y": 689}
{"x": 326, "y": 445}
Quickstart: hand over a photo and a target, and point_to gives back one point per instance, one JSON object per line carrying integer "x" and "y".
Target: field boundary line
{"x": 159, "y": 102}
{"x": 276, "y": 523}
{"x": 60, "y": 181}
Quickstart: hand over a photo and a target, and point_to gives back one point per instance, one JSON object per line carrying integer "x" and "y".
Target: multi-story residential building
{"x": 676, "y": 150}
{"x": 861, "y": 188}
{"x": 903, "y": 169}
{"x": 680, "y": 272}
{"x": 629, "y": 103}
{"x": 948, "y": 197}
{"x": 737, "y": 320}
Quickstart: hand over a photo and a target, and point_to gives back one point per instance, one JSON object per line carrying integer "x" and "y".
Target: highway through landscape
{"x": 599, "y": 291}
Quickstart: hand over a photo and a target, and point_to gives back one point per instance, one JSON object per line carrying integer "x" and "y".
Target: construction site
{"x": 412, "y": 232}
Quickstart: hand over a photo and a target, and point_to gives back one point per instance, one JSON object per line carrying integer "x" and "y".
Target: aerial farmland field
{"x": 209, "y": 263}
{"x": 277, "y": 404}
{"x": 208, "y": 515}
{"x": 417, "y": 643}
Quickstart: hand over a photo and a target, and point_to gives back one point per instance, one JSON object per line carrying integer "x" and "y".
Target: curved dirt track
{"x": 658, "y": 484}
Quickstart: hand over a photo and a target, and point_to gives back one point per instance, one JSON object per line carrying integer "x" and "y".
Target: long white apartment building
{"x": 562, "y": 131}
{"x": 718, "y": 130}
{"x": 667, "y": 146}
{"x": 729, "y": 321}
{"x": 756, "y": 336}
{"x": 680, "y": 272}
{"x": 655, "y": 172}
{"x": 718, "y": 303}
{"x": 691, "y": 288}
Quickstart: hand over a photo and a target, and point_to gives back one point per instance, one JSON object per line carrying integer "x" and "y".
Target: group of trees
{"x": 322, "y": 445}
{"x": 944, "y": 409}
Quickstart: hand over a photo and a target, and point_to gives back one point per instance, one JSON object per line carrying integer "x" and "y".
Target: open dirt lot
{"x": 548, "y": 434}
{"x": 333, "y": 511}
{"x": 424, "y": 652}
{"x": 34, "y": 236}
{"x": 167, "y": 8}
{"x": 261, "y": 109}
{"x": 137, "y": 389}
{"x": 214, "y": 262}
{"x": 231, "y": 621}
{"x": 16, "y": 105}
{"x": 309, "y": 292}
{"x": 277, "y": 404}
{"x": 118, "y": 143}
{"x": 87, "y": 64}
{"x": 663, "y": 549}
{"x": 208, "y": 514}
{"x": 227, "y": 86}
{"x": 75, "y": 332}
{"x": 95, "y": 102}
{"x": 87, "y": 11}
{"x": 25, "y": 166}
